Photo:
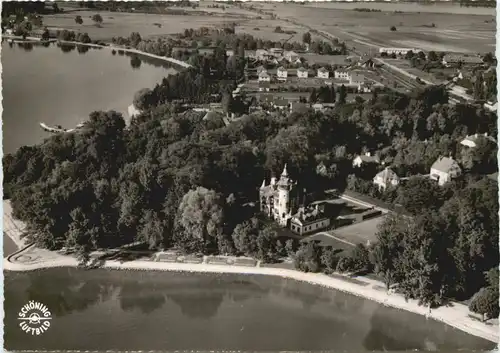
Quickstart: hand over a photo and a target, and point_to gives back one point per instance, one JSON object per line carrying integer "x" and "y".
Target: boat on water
{"x": 59, "y": 128}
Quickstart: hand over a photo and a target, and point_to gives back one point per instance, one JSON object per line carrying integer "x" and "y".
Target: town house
{"x": 282, "y": 73}
{"x": 302, "y": 73}
{"x": 386, "y": 178}
{"x": 367, "y": 158}
{"x": 323, "y": 73}
{"x": 444, "y": 170}
{"x": 264, "y": 77}
{"x": 342, "y": 74}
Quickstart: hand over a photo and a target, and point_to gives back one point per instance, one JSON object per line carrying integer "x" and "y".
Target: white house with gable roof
{"x": 444, "y": 170}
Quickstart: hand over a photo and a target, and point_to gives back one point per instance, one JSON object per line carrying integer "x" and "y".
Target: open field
{"x": 441, "y": 8}
{"x": 459, "y": 32}
{"x": 122, "y": 24}
{"x": 264, "y": 29}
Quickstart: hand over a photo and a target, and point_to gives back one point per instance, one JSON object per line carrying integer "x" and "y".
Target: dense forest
{"x": 173, "y": 178}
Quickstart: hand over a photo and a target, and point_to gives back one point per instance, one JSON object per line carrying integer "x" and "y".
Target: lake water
{"x": 8, "y": 246}
{"x": 106, "y": 310}
{"x": 47, "y": 84}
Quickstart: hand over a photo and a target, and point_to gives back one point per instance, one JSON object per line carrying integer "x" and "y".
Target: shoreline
{"x": 111, "y": 46}
{"x": 452, "y": 316}
{"x": 183, "y": 64}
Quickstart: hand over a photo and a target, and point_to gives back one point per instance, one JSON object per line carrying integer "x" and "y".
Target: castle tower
{"x": 283, "y": 204}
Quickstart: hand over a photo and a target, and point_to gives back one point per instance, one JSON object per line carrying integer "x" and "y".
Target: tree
{"x": 387, "y": 249}
{"x": 79, "y": 19}
{"x": 143, "y": 98}
{"x": 485, "y": 302}
{"x": 45, "y": 34}
{"x": 135, "y": 39}
{"x": 313, "y": 98}
{"x": 393, "y": 28}
{"x": 199, "y": 220}
{"x": 97, "y": 18}
{"x": 245, "y": 237}
{"x": 432, "y": 56}
{"x": 266, "y": 250}
{"x": 329, "y": 259}
{"x": 227, "y": 102}
{"x": 306, "y": 38}
{"x": 342, "y": 95}
{"x": 308, "y": 257}
{"x": 488, "y": 58}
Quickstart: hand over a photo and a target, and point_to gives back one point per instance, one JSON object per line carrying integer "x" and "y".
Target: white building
{"x": 282, "y": 73}
{"x": 453, "y": 59}
{"x": 472, "y": 140}
{"x": 264, "y": 77}
{"x": 398, "y": 51}
{"x": 291, "y": 56}
{"x": 323, "y": 73}
{"x": 365, "y": 159}
{"x": 309, "y": 220}
{"x": 444, "y": 170}
{"x": 302, "y": 73}
{"x": 386, "y": 178}
{"x": 356, "y": 79}
{"x": 342, "y": 74}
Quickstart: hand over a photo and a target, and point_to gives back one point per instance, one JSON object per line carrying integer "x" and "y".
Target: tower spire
{"x": 263, "y": 184}
{"x": 285, "y": 172}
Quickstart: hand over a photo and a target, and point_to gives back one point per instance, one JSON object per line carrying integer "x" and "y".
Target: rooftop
{"x": 445, "y": 164}
{"x": 387, "y": 174}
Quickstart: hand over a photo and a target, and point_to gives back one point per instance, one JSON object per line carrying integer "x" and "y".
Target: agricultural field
{"x": 225, "y": 10}
{"x": 265, "y": 29}
{"x": 120, "y": 24}
{"x": 366, "y": 31}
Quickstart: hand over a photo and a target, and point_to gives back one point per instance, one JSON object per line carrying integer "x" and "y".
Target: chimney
{"x": 368, "y": 154}
{"x": 273, "y": 181}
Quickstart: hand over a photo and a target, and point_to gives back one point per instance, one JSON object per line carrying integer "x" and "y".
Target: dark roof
{"x": 280, "y": 102}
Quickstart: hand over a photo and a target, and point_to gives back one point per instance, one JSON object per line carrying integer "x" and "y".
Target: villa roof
{"x": 309, "y": 214}
{"x": 476, "y": 137}
{"x": 445, "y": 164}
{"x": 322, "y": 69}
{"x": 281, "y": 68}
{"x": 369, "y": 159}
{"x": 387, "y": 174}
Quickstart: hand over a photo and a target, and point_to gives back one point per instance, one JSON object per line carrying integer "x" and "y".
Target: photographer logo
{"x": 34, "y": 318}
